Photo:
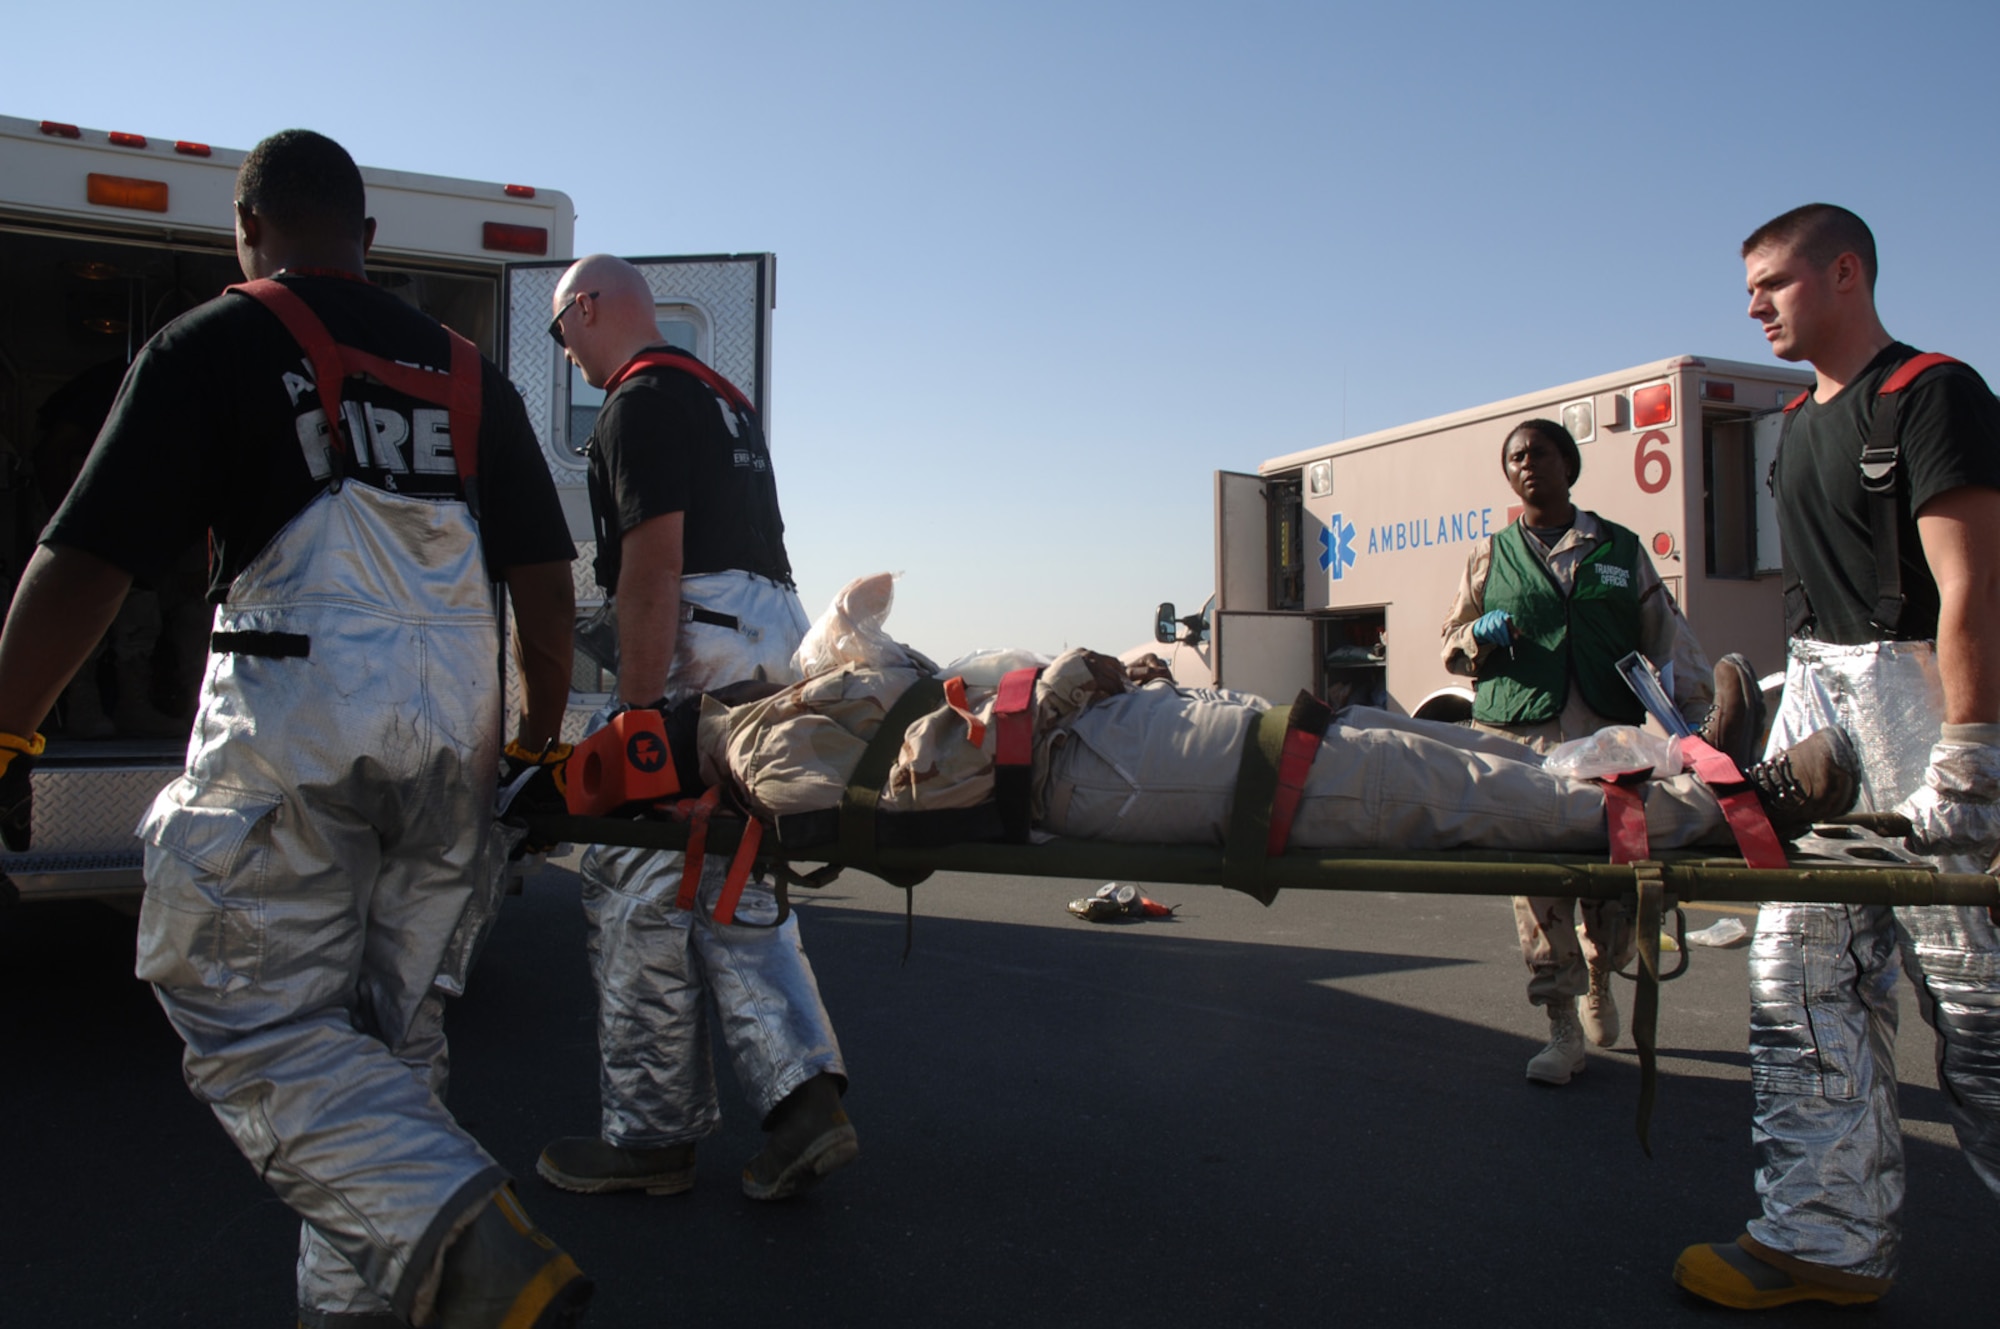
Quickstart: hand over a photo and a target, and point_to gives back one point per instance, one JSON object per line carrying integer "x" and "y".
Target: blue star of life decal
{"x": 1336, "y": 540}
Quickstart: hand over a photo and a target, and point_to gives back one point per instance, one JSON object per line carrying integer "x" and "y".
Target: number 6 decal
{"x": 1652, "y": 469}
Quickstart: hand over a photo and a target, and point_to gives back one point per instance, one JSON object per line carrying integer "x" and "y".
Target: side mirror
{"x": 1164, "y": 624}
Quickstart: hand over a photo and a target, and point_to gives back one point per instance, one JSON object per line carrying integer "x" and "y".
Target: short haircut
{"x": 301, "y": 181}
{"x": 1556, "y": 436}
{"x": 1821, "y": 233}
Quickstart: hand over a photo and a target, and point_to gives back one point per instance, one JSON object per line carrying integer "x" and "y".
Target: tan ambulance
{"x": 1335, "y": 567}
{"x": 106, "y": 236}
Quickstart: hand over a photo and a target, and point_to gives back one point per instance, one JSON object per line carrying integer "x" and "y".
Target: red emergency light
{"x": 187, "y": 149}
{"x": 1715, "y": 390}
{"x": 515, "y": 239}
{"x": 122, "y": 191}
{"x": 1663, "y": 544}
{"x": 57, "y": 129}
{"x": 1653, "y": 405}
{"x": 519, "y": 191}
{"x": 119, "y": 140}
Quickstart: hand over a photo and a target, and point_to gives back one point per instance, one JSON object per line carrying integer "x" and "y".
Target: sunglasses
{"x": 555, "y": 324}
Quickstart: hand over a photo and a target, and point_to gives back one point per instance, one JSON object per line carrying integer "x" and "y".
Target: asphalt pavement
{"x": 1307, "y": 1114}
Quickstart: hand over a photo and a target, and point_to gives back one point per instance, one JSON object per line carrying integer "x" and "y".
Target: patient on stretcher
{"x": 1141, "y": 760}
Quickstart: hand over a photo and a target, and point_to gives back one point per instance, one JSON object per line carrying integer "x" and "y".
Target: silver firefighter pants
{"x": 309, "y": 874}
{"x": 1822, "y": 993}
{"x": 663, "y": 973}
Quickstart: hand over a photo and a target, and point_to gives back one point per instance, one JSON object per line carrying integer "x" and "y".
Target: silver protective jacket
{"x": 1822, "y": 988}
{"x": 307, "y": 876}
{"x": 663, "y": 972}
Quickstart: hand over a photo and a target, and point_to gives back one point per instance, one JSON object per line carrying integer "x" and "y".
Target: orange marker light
{"x": 126, "y": 140}
{"x": 519, "y": 191}
{"x": 187, "y": 149}
{"x": 122, "y": 191}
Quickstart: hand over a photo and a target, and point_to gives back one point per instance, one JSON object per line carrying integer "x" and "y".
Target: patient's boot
{"x": 1737, "y": 718}
{"x": 1810, "y": 781}
{"x": 1563, "y": 1057}
{"x": 1600, "y": 1008}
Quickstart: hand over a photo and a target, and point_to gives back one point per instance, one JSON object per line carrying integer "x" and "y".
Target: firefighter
{"x": 690, "y": 544}
{"x": 313, "y": 876}
{"x": 1545, "y": 610}
{"x": 1888, "y": 488}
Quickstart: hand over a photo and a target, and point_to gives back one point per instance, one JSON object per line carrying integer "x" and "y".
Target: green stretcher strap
{"x": 1651, "y": 904}
{"x": 864, "y": 787}
{"x": 1246, "y": 847}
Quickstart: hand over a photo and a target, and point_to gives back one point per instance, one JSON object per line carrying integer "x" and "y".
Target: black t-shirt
{"x": 664, "y": 443}
{"x": 1949, "y": 425}
{"x": 210, "y": 429}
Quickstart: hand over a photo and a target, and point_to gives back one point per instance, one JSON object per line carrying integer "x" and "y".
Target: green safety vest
{"x": 1582, "y": 636}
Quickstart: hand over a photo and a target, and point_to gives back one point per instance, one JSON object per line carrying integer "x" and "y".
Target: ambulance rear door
{"x": 1257, "y": 649}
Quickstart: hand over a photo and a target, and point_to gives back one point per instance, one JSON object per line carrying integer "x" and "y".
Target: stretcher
{"x": 1841, "y": 864}
{"x": 1858, "y": 860}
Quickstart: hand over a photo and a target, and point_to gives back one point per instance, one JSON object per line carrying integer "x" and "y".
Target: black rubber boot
{"x": 810, "y": 1137}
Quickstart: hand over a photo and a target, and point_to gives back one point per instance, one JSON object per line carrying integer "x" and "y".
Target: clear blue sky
{"x": 1045, "y": 267}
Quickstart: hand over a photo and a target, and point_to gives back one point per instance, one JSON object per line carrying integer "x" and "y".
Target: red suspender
{"x": 687, "y": 364}
{"x": 1906, "y": 372}
{"x": 458, "y": 391}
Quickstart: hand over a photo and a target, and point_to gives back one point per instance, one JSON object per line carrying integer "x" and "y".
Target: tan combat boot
{"x": 1563, "y": 1057}
{"x": 1600, "y": 1008}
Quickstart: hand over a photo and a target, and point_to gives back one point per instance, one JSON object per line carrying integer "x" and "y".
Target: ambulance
{"x": 106, "y": 236}
{"x": 1336, "y": 566}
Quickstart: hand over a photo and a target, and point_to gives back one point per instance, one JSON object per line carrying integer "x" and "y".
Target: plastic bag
{"x": 1614, "y": 751}
{"x": 850, "y": 632}
{"x": 985, "y": 668}
{"x": 1724, "y": 934}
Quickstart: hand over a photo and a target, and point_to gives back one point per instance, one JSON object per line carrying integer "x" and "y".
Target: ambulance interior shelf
{"x": 1353, "y": 656}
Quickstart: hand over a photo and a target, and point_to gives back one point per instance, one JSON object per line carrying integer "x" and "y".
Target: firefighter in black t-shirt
{"x": 691, "y": 547}
{"x": 315, "y": 877}
{"x": 1888, "y": 488}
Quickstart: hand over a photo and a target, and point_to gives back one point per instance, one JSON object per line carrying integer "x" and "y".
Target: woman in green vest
{"x": 1547, "y": 608}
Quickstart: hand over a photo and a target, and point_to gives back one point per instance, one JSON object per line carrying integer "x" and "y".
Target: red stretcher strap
{"x": 687, "y": 364}
{"x": 954, "y": 697}
{"x": 1294, "y": 765}
{"x": 696, "y": 813}
{"x": 739, "y": 872}
{"x": 1625, "y": 823}
{"x": 457, "y": 390}
{"x": 1748, "y": 822}
{"x": 1014, "y": 718}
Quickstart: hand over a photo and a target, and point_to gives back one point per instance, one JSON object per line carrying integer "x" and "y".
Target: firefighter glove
{"x": 1957, "y": 808}
{"x": 17, "y": 794}
{"x": 534, "y": 783}
{"x": 1495, "y": 627}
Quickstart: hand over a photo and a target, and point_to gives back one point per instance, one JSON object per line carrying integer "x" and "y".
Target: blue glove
{"x": 1493, "y": 628}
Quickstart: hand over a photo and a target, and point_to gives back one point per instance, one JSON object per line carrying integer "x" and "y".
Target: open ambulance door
{"x": 1257, "y": 650}
{"x": 717, "y": 306}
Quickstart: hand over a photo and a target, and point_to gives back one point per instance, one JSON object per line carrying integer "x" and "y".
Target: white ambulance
{"x": 105, "y": 236}
{"x": 1335, "y": 567}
